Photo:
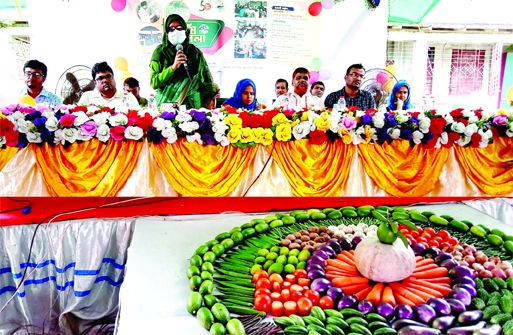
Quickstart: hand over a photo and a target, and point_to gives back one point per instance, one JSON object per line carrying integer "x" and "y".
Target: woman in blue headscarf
{"x": 244, "y": 95}
{"x": 399, "y": 98}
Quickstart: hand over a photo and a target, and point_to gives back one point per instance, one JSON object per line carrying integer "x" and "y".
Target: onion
{"x": 494, "y": 259}
{"x": 485, "y": 274}
{"x": 478, "y": 267}
{"x": 509, "y": 273}
{"x": 497, "y": 272}
{"x": 489, "y": 266}
{"x": 458, "y": 248}
{"x": 505, "y": 265}
{"x": 463, "y": 263}
{"x": 471, "y": 248}
{"x": 481, "y": 258}
{"x": 469, "y": 259}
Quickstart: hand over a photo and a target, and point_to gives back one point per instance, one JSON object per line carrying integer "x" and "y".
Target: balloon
{"x": 327, "y": 4}
{"x": 133, "y": 2}
{"x": 324, "y": 74}
{"x": 314, "y": 76}
{"x": 389, "y": 85}
{"x": 382, "y": 77}
{"x": 391, "y": 68}
{"x": 125, "y": 74}
{"x": 315, "y": 8}
{"x": 26, "y": 100}
{"x": 118, "y": 5}
{"x": 509, "y": 94}
{"x": 120, "y": 63}
{"x": 316, "y": 64}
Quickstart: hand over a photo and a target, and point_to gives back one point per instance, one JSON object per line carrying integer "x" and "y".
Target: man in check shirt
{"x": 300, "y": 97}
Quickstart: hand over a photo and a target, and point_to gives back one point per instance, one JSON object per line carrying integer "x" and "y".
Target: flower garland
{"x": 66, "y": 124}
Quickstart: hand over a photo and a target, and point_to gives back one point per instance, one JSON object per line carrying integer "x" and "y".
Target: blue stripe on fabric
{"x": 7, "y": 289}
{"x": 5, "y": 270}
{"x": 86, "y": 272}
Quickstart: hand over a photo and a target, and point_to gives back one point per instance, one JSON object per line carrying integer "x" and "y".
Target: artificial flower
{"x": 134, "y": 133}
{"x": 280, "y": 119}
{"x": 117, "y": 132}
{"x": 103, "y": 132}
{"x": 118, "y": 120}
{"x": 283, "y": 132}
{"x": 246, "y": 135}
{"x": 233, "y": 121}
{"x": 345, "y": 135}
{"x": 318, "y": 137}
{"x": 301, "y": 130}
{"x": 234, "y": 134}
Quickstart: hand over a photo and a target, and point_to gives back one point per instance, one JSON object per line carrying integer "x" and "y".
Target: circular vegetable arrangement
{"x": 366, "y": 270}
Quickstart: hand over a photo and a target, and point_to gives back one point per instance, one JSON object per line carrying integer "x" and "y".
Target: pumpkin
{"x": 384, "y": 262}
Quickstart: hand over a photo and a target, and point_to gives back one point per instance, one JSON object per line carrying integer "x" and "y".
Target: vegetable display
{"x": 366, "y": 270}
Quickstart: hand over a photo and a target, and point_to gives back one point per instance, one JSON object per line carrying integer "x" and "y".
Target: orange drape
{"x": 490, "y": 168}
{"x": 314, "y": 170}
{"x": 196, "y": 170}
{"x": 6, "y": 155}
{"x": 90, "y": 168}
{"x": 401, "y": 170}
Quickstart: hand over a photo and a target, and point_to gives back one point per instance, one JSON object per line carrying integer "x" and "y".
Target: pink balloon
{"x": 314, "y": 76}
{"x": 324, "y": 74}
{"x": 382, "y": 77}
{"x": 327, "y": 4}
{"x": 118, "y": 5}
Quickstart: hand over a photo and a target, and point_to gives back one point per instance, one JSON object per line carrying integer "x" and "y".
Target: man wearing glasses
{"x": 35, "y": 76}
{"x": 105, "y": 92}
{"x": 351, "y": 92}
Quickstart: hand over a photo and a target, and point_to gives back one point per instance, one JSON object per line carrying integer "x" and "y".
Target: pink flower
{"x": 348, "y": 122}
{"x": 67, "y": 120}
{"x": 500, "y": 119}
{"x": 117, "y": 132}
{"x": 89, "y": 128}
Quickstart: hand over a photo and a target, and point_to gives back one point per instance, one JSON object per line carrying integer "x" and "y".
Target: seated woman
{"x": 399, "y": 98}
{"x": 244, "y": 95}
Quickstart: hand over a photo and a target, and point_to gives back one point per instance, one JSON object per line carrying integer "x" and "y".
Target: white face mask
{"x": 176, "y": 37}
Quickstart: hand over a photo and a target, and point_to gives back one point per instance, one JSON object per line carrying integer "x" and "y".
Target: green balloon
{"x": 316, "y": 64}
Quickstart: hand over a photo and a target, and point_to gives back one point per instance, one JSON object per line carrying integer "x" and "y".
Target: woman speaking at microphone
{"x": 170, "y": 63}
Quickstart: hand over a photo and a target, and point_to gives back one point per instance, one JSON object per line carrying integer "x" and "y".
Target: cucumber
{"x": 295, "y": 330}
{"x": 428, "y": 213}
{"x": 375, "y": 317}
{"x": 501, "y": 318}
{"x": 235, "y": 327}
{"x": 283, "y": 322}
{"x": 350, "y": 312}
{"x": 358, "y": 320}
{"x": 297, "y": 320}
{"x": 478, "y": 303}
{"x": 385, "y": 331}
{"x": 318, "y": 216}
{"x": 243, "y": 310}
{"x": 438, "y": 220}
{"x": 500, "y": 282}
{"x": 205, "y": 317}
{"x": 334, "y": 313}
{"x": 194, "y": 302}
{"x": 217, "y": 329}
{"x": 494, "y": 240}
{"x": 490, "y": 311}
{"x": 334, "y": 330}
{"x": 320, "y": 330}
{"x": 506, "y": 304}
{"x": 478, "y": 231}
{"x": 497, "y": 232}
{"x": 508, "y": 245}
{"x": 375, "y": 325}
{"x": 339, "y": 322}
{"x": 220, "y": 313}
{"x": 313, "y": 320}
{"x": 350, "y": 213}
{"x": 358, "y": 328}
{"x": 415, "y": 216}
{"x": 458, "y": 225}
{"x": 318, "y": 313}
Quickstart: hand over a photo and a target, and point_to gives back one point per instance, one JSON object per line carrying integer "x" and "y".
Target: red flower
{"x": 457, "y": 113}
{"x": 478, "y": 112}
{"x": 117, "y": 132}
{"x": 144, "y": 122}
{"x": 437, "y": 125}
{"x": 79, "y": 109}
{"x": 353, "y": 108}
{"x": 7, "y": 130}
{"x": 132, "y": 117}
{"x": 288, "y": 112}
{"x": 416, "y": 114}
{"x": 464, "y": 121}
{"x": 495, "y": 132}
{"x": 431, "y": 143}
{"x": 371, "y": 111}
{"x": 318, "y": 137}
{"x": 246, "y": 118}
{"x": 475, "y": 139}
{"x": 255, "y": 121}
{"x": 453, "y": 137}
{"x": 230, "y": 109}
{"x": 267, "y": 121}
{"x": 5, "y": 126}
{"x": 67, "y": 120}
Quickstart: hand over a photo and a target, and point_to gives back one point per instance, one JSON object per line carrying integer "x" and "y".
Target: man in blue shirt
{"x": 35, "y": 76}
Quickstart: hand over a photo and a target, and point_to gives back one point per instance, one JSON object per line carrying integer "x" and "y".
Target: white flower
{"x": 467, "y": 113}
{"x": 509, "y": 131}
{"x": 378, "y": 121}
{"x": 103, "y": 132}
{"x": 444, "y": 138}
{"x": 448, "y": 118}
{"x": 222, "y": 139}
{"x": 220, "y": 127}
{"x": 101, "y": 118}
{"x": 473, "y": 119}
{"x": 58, "y": 137}
{"x": 424, "y": 125}
{"x": 82, "y": 137}
{"x": 80, "y": 119}
{"x": 23, "y": 126}
{"x": 16, "y": 116}
{"x": 217, "y": 117}
{"x": 359, "y": 113}
{"x": 464, "y": 140}
{"x": 159, "y": 123}
{"x": 357, "y": 136}
{"x": 69, "y": 134}
{"x": 417, "y": 136}
{"x": 484, "y": 138}
{"x": 297, "y": 109}
{"x": 312, "y": 117}
{"x": 440, "y": 112}
{"x": 170, "y": 134}
{"x": 189, "y": 127}
{"x": 402, "y": 118}
{"x": 3, "y": 141}
{"x": 52, "y": 123}
{"x": 118, "y": 120}
{"x": 196, "y": 137}
{"x": 394, "y": 133}
{"x": 93, "y": 109}
{"x": 34, "y": 137}
{"x": 183, "y": 117}
{"x": 48, "y": 114}
{"x": 301, "y": 130}
{"x": 458, "y": 127}
{"x": 335, "y": 124}
{"x": 470, "y": 129}
{"x": 134, "y": 133}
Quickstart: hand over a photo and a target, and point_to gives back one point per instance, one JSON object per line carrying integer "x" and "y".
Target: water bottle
{"x": 341, "y": 103}
{"x": 432, "y": 102}
{"x": 125, "y": 102}
{"x": 151, "y": 102}
{"x": 286, "y": 102}
{"x": 425, "y": 105}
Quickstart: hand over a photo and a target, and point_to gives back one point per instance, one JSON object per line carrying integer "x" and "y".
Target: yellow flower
{"x": 2, "y": 116}
{"x": 325, "y": 116}
{"x": 247, "y": 135}
{"x": 283, "y": 132}
{"x": 267, "y": 137}
{"x": 294, "y": 123}
{"x": 502, "y": 111}
{"x": 345, "y": 135}
{"x": 234, "y": 134}
{"x": 233, "y": 121}
{"x": 322, "y": 124}
{"x": 280, "y": 118}
{"x": 304, "y": 117}
{"x": 368, "y": 133}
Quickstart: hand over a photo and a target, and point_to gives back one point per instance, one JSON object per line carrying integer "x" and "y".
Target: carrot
{"x": 402, "y": 300}
{"x": 348, "y": 281}
{"x": 432, "y": 293}
{"x": 348, "y": 290}
{"x": 439, "y": 280}
{"x": 425, "y": 261}
{"x": 347, "y": 254}
{"x": 363, "y": 293}
{"x": 341, "y": 265}
{"x": 345, "y": 259}
{"x": 425, "y": 267}
{"x": 374, "y": 295}
{"x": 433, "y": 273}
{"x": 418, "y": 258}
{"x": 388, "y": 296}
{"x": 333, "y": 269}
{"x": 443, "y": 289}
{"x": 400, "y": 290}
{"x": 333, "y": 275}
{"x": 351, "y": 252}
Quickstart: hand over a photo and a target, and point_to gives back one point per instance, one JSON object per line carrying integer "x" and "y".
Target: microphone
{"x": 179, "y": 47}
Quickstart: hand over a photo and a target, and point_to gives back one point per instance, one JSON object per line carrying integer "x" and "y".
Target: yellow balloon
{"x": 120, "y": 63}
{"x": 125, "y": 74}
{"x": 509, "y": 94}
{"x": 26, "y": 100}
{"x": 388, "y": 86}
{"x": 391, "y": 68}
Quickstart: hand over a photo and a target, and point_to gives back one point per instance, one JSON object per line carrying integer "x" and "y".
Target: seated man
{"x": 131, "y": 85}
{"x": 281, "y": 87}
{"x": 351, "y": 92}
{"x": 105, "y": 92}
{"x": 300, "y": 97}
{"x": 317, "y": 89}
{"x": 35, "y": 76}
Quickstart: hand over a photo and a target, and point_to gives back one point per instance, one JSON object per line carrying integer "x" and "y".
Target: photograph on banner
{"x": 180, "y": 8}
{"x": 150, "y": 36}
{"x": 250, "y": 49}
{"x": 149, "y": 11}
{"x": 251, "y": 9}
{"x": 251, "y": 29}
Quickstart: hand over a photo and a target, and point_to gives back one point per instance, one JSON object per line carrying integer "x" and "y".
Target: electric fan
{"x": 73, "y": 83}
{"x": 379, "y": 82}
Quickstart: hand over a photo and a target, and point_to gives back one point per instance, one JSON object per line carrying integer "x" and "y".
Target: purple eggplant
{"x": 335, "y": 246}
{"x": 416, "y": 330}
{"x": 492, "y": 330}
{"x": 457, "y": 306}
{"x": 467, "y": 330}
{"x": 443, "y": 322}
{"x": 356, "y": 240}
{"x": 464, "y": 280}
{"x": 442, "y": 256}
{"x": 347, "y": 301}
{"x": 403, "y": 312}
{"x": 320, "y": 253}
{"x": 385, "y": 310}
{"x": 321, "y": 285}
{"x": 470, "y": 289}
{"x": 430, "y": 252}
{"x": 418, "y": 249}
{"x": 450, "y": 264}
{"x": 440, "y": 306}
{"x": 317, "y": 260}
{"x": 470, "y": 317}
{"x": 314, "y": 274}
{"x": 460, "y": 294}
{"x": 335, "y": 294}
{"x": 401, "y": 323}
{"x": 461, "y": 271}
{"x": 365, "y": 306}
{"x": 329, "y": 250}
{"x": 345, "y": 243}
{"x": 424, "y": 313}
{"x": 312, "y": 266}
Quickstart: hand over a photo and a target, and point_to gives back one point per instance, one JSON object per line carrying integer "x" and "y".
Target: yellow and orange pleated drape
{"x": 196, "y": 170}
{"x": 90, "y": 168}
{"x": 6, "y": 155}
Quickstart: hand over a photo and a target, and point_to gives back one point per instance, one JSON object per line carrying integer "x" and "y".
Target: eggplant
{"x": 365, "y": 306}
{"x": 441, "y": 307}
{"x": 460, "y": 294}
{"x": 418, "y": 249}
{"x": 443, "y": 322}
{"x": 470, "y": 317}
{"x": 356, "y": 240}
{"x": 321, "y": 285}
{"x": 347, "y": 301}
{"x": 320, "y": 253}
{"x": 335, "y": 294}
{"x": 335, "y": 246}
{"x": 457, "y": 306}
{"x": 345, "y": 243}
{"x": 424, "y": 313}
{"x": 311, "y": 267}
{"x": 468, "y": 330}
{"x": 442, "y": 256}
{"x": 416, "y": 330}
{"x": 430, "y": 252}
{"x": 385, "y": 310}
{"x": 470, "y": 289}
{"x": 401, "y": 323}
{"x": 461, "y": 271}
{"x": 329, "y": 250}
{"x": 317, "y": 260}
{"x": 314, "y": 274}
{"x": 450, "y": 264}
{"x": 464, "y": 280}
{"x": 403, "y": 312}
{"x": 492, "y": 330}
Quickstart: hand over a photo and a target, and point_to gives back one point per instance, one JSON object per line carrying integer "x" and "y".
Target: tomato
{"x": 260, "y": 274}
{"x": 404, "y": 231}
{"x": 402, "y": 226}
{"x": 300, "y": 273}
{"x": 451, "y": 240}
{"x": 420, "y": 230}
{"x": 263, "y": 303}
{"x": 313, "y": 295}
{"x": 262, "y": 291}
{"x": 433, "y": 243}
{"x": 303, "y": 282}
{"x": 446, "y": 247}
{"x": 277, "y": 309}
{"x": 290, "y": 307}
{"x": 438, "y": 239}
{"x": 415, "y": 234}
{"x": 285, "y": 295}
{"x": 276, "y": 287}
{"x": 426, "y": 236}
{"x": 430, "y": 231}
{"x": 264, "y": 283}
{"x": 276, "y": 278}
{"x": 443, "y": 234}
{"x": 326, "y": 302}
{"x": 290, "y": 278}
{"x": 304, "y": 305}
{"x": 295, "y": 295}
{"x": 409, "y": 236}
{"x": 424, "y": 244}
{"x": 421, "y": 239}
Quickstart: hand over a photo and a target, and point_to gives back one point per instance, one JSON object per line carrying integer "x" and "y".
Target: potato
{"x": 313, "y": 236}
{"x": 313, "y": 229}
{"x": 304, "y": 244}
{"x": 303, "y": 232}
{"x": 285, "y": 242}
{"x": 305, "y": 238}
{"x": 297, "y": 234}
{"x": 319, "y": 239}
{"x": 309, "y": 248}
{"x": 317, "y": 245}
{"x": 294, "y": 246}
{"x": 311, "y": 243}
{"x": 290, "y": 237}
